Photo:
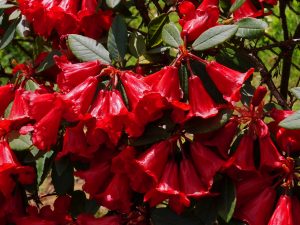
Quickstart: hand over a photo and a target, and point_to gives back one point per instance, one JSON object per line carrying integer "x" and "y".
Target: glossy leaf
{"x": 171, "y": 35}
{"x": 19, "y": 142}
{"x": 117, "y": 39}
{"x": 63, "y": 181}
{"x": 292, "y": 122}
{"x": 155, "y": 30}
{"x": 296, "y": 92}
{"x": 137, "y": 45}
{"x": 163, "y": 216}
{"x": 9, "y": 34}
{"x": 87, "y": 49}
{"x": 250, "y": 28}
{"x": 214, "y": 36}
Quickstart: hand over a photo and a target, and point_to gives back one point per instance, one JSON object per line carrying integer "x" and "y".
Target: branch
{"x": 278, "y": 44}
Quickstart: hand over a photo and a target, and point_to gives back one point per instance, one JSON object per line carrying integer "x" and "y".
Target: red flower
{"x": 150, "y": 166}
{"x": 206, "y": 162}
{"x": 283, "y": 212}
{"x": 201, "y": 103}
{"x": 195, "y": 22}
{"x": 288, "y": 140}
{"x": 228, "y": 81}
{"x": 72, "y": 75}
{"x": 246, "y": 10}
{"x": 259, "y": 209}
{"x": 80, "y": 99}
{"x": 7, "y": 94}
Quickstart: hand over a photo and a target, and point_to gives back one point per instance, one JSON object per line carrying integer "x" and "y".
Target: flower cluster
{"x": 139, "y": 140}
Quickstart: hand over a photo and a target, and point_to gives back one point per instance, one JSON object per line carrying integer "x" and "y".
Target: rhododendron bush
{"x": 138, "y": 112}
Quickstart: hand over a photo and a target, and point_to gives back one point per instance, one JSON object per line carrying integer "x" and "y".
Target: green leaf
{"x": 137, "y": 45}
{"x": 63, "y": 182}
{"x": 31, "y": 85}
{"x": 117, "y": 39}
{"x": 292, "y": 122}
{"x": 155, "y": 30}
{"x": 87, "y": 49}
{"x": 19, "y": 142}
{"x": 236, "y": 5}
{"x": 201, "y": 126}
{"x": 296, "y": 92}
{"x": 214, "y": 36}
{"x": 171, "y": 35}
{"x": 5, "y": 5}
{"x": 112, "y": 3}
{"x": 48, "y": 61}
{"x": 9, "y": 34}
{"x": 14, "y": 15}
{"x": 227, "y": 201}
{"x": 184, "y": 81}
{"x": 43, "y": 166}
{"x": 250, "y": 28}
{"x": 80, "y": 204}
{"x": 165, "y": 216}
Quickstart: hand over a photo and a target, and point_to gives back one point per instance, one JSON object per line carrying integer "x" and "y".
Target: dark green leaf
{"x": 48, "y": 61}
{"x": 63, "y": 183}
{"x": 236, "y": 5}
{"x": 80, "y": 204}
{"x": 155, "y": 29}
{"x": 87, "y": 49}
{"x": 9, "y": 34}
{"x": 250, "y": 28}
{"x": 43, "y": 166}
{"x": 292, "y": 122}
{"x": 227, "y": 201}
{"x": 214, "y": 36}
{"x": 184, "y": 81}
{"x": 137, "y": 45}
{"x": 200, "y": 126}
{"x": 112, "y": 3}
{"x": 171, "y": 35}
{"x": 19, "y": 142}
{"x": 165, "y": 216}
{"x": 296, "y": 92}
{"x": 117, "y": 39}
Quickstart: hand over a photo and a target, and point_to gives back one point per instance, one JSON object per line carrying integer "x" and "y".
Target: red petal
{"x": 228, "y": 81}
{"x": 7, "y": 94}
{"x": 283, "y": 212}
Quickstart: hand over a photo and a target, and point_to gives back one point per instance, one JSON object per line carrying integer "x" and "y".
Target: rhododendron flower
{"x": 246, "y": 10}
{"x": 228, "y": 81}
{"x": 66, "y": 16}
{"x": 72, "y": 75}
{"x": 259, "y": 209}
{"x": 80, "y": 99}
{"x": 9, "y": 166}
{"x": 195, "y": 22}
{"x": 7, "y": 94}
{"x": 201, "y": 103}
{"x": 288, "y": 140}
{"x": 206, "y": 162}
{"x": 283, "y": 213}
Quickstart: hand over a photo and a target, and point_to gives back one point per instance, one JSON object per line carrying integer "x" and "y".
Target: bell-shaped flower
{"x": 168, "y": 188}
{"x": 10, "y": 166}
{"x": 270, "y": 158}
{"x": 190, "y": 183}
{"x": 228, "y": 81}
{"x": 259, "y": 209}
{"x": 165, "y": 82}
{"x": 206, "y": 3}
{"x": 195, "y": 23}
{"x": 259, "y": 95}
{"x": 295, "y": 210}
{"x": 288, "y": 140}
{"x": 72, "y": 75}
{"x": 243, "y": 157}
{"x": 80, "y": 99}
{"x": 110, "y": 115}
{"x": 117, "y": 195}
{"x": 246, "y": 10}
{"x": 202, "y": 105}
{"x": 207, "y": 163}
{"x": 283, "y": 212}
{"x": 150, "y": 166}
{"x": 7, "y": 94}
{"x": 66, "y": 15}
{"x": 222, "y": 138}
